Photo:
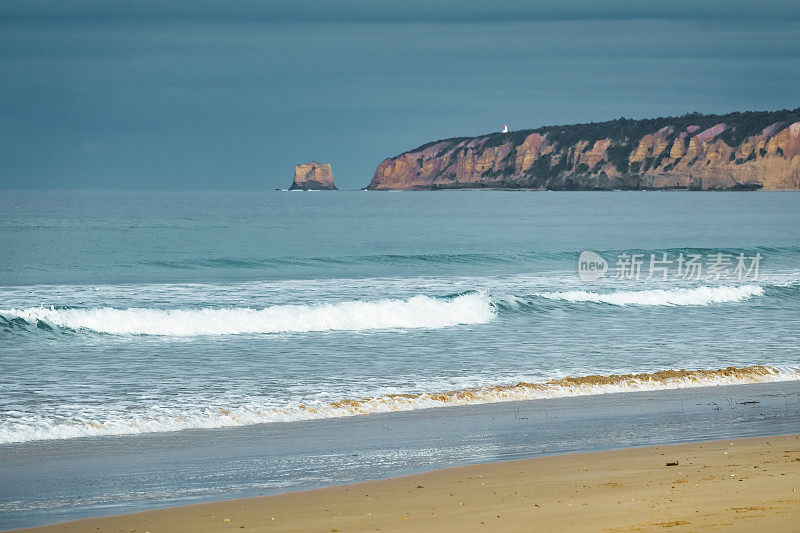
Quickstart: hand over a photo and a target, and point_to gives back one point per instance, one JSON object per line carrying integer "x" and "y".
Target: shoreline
{"x": 734, "y": 484}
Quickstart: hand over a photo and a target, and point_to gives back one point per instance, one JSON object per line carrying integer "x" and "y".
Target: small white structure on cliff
{"x": 505, "y": 128}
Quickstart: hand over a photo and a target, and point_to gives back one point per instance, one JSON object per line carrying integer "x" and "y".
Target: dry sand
{"x": 740, "y": 485}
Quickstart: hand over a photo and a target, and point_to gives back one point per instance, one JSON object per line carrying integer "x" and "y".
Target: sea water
{"x": 155, "y": 313}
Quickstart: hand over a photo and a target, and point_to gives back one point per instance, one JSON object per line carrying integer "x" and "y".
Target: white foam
{"x": 415, "y": 312}
{"x": 159, "y": 419}
{"x": 664, "y": 297}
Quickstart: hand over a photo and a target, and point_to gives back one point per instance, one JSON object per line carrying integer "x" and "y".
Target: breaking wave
{"x": 173, "y": 419}
{"x": 416, "y": 312}
{"x": 421, "y": 311}
{"x": 663, "y": 297}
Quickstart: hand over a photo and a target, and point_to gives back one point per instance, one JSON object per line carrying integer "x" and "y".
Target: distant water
{"x": 129, "y": 312}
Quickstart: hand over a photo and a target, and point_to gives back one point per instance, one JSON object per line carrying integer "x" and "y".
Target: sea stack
{"x": 313, "y": 176}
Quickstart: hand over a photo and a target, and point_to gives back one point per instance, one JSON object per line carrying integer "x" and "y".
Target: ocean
{"x": 133, "y": 318}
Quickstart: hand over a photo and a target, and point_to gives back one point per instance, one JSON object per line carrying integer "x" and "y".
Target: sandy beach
{"x": 739, "y": 485}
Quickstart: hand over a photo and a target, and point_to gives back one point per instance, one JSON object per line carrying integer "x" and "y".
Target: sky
{"x": 189, "y": 94}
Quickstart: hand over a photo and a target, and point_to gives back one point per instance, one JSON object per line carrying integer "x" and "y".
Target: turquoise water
{"x": 160, "y": 348}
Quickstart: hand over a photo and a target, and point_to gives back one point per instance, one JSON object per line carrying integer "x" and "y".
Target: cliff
{"x": 752, "y": 150}
{"x": 313, "y": 176}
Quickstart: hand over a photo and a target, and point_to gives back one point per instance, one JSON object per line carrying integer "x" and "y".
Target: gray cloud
{"x": 233, "y": 94}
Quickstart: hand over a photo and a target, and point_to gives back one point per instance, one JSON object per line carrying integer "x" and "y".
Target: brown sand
{"x": 740, "y": 485}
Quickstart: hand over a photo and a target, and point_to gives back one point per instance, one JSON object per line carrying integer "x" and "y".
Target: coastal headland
{"x": 738, "y": 151}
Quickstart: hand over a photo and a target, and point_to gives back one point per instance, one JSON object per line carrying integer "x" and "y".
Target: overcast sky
{"x": 231, "y": 95}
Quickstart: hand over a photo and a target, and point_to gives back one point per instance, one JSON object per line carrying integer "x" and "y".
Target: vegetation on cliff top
{"x": 626, "y": 133}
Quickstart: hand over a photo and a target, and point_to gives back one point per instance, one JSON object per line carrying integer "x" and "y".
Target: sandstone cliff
{"x": 313, "y": 176}
{"x": 752, "y": 150}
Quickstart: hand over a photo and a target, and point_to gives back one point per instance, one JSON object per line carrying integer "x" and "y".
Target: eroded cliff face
{"x": 313, "y": 176}
{"x": 754, "y": 150}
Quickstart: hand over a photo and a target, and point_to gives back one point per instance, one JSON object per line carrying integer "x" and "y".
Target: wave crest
{"x": 421, "y": 311}
{"x": 416, "y": 312}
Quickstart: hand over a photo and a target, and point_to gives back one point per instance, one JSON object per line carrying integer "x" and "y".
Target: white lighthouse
{"x": 505, "y": 128}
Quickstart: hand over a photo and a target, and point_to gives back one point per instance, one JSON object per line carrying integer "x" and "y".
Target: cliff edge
{"x": 738, "y": 151}
{"x": 313, "y": 176}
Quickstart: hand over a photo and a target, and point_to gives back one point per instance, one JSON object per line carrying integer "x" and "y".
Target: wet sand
{"x": 741, "y": 485}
